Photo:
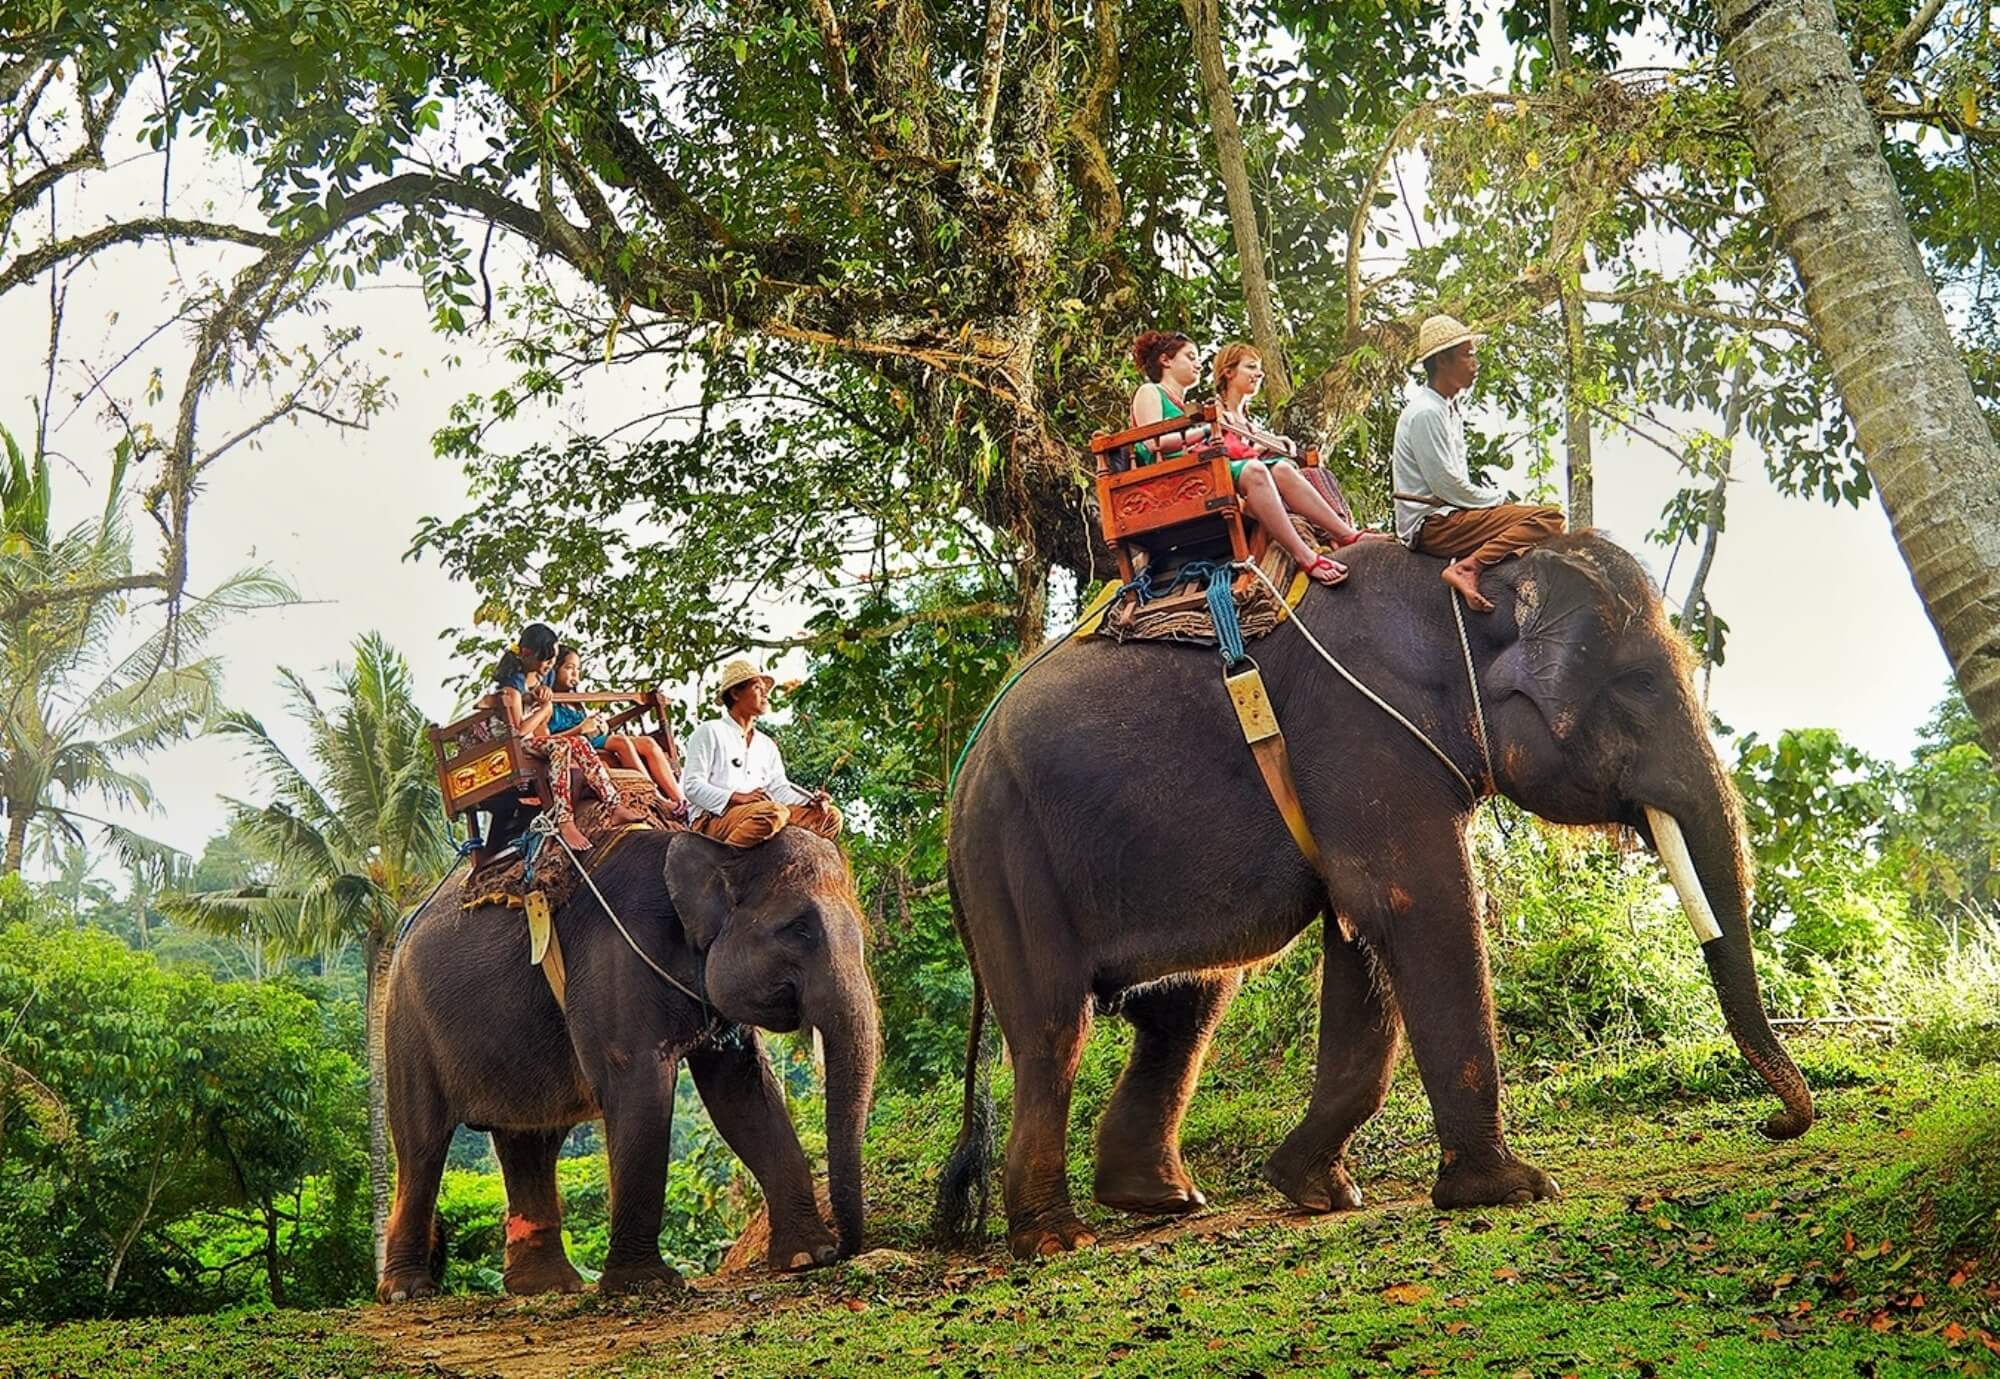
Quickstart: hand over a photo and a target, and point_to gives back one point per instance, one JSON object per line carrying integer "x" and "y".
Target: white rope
{"x": 1370, "y": 694}
{"x": 1472, "y": 679}
{"x": 548, "y": 829}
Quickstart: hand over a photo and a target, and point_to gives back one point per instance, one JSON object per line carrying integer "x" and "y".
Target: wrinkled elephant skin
{"x": 1113, "y": 847}
{"x": 772, "y": 935}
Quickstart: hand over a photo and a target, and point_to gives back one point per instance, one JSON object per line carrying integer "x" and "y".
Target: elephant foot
{"x": 1507, "y": 1182}
{"x": 1060, "y": 1237}
{"x": 1312, "y": 1187}
{"x": 1147, "y": 1191}
{"x": 405, "y": 1285}
{"x": 801, "y": 1250}
{"x": 655, "y": 1276}
{"x": 542, "y": 1271}
{"x": 536, "y": 1262}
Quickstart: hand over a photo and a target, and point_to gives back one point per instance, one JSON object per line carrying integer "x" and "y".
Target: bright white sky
{"x": 1826, "y": 629}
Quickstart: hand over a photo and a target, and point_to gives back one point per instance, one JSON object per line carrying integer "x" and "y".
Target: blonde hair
{"x": 1228, "y": 359}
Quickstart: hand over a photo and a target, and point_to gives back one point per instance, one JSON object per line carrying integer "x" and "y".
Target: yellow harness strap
{"x": 1267, "y": 747}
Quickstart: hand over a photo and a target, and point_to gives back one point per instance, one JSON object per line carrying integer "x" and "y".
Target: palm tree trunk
{"x": 1206, "y": 24}
{"x": 17, "y": 838}
{"x": 374, "y": 956}
{"x": 1900, "y": 373}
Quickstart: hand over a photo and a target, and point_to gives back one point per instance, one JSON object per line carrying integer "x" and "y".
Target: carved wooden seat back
{"x": 483, "y": 763}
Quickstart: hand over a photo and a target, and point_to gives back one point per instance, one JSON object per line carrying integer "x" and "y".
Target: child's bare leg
{"x": 658, "y": 767}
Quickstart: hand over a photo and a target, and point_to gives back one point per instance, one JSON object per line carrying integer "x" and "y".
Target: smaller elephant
{"x": 772, "y": 938}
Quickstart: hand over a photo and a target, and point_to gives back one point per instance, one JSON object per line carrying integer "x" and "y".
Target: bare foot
{"x": 573, "y": 835}
{"x": 625, "y": 814}
{"x": 1327, "y": 570}
{"x": 1464, "y": 577}
{"x": 1373, "y": 536}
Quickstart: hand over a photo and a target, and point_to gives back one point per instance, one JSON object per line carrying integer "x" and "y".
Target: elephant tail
{"x": 965, "y": 1185}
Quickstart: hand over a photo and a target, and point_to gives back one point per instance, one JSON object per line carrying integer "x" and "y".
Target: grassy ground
{"x": 1685, "y": 1245}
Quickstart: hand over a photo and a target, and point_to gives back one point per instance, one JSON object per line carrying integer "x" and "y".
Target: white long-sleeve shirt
{"x": 1429, "y": 459}
{"x": 720, "y": 764}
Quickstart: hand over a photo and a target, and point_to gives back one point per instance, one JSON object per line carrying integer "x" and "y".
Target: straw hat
{"x": 1440, "y": 333}
{"x": 740, "y": 672}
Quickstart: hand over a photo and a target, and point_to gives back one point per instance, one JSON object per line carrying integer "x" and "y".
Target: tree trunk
{"x": 1031, "y": 601}
{"x": 17, "y": 838}
{"x": 375, "y": 955}
{"x": 1206, "y": 24}
{"x": 1695, "y": 611}
{"x": 1875, "y": 310}
{"x": 1582, "y": 500}
{"x": 274, "y": 1270}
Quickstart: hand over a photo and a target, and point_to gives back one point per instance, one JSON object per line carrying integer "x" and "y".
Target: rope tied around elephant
{"x": 1472, "y": 793}
{"x": 547, "y": 829}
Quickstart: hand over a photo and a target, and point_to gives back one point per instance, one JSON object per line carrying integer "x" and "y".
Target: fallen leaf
{"x": 1953, "y": 1333}
{"x": 1406, "y": 1292}
{"x": 1506, "y": 1274}
{"x": 857, "y": 1305}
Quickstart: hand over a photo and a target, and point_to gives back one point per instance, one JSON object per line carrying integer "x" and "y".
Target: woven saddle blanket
{"x": 503, "y": 881}
{"x": 1119, "y": 615}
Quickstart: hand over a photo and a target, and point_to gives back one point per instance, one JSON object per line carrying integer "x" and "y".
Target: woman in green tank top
{"x": 1171, "y": 363}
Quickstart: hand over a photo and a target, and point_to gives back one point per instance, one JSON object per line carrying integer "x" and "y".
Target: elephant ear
{"x": 1562, "y": 610}
{"x": 699, "y": 887}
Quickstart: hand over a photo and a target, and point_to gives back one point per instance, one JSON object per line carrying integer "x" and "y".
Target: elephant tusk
{"x": 1673, "y": 850}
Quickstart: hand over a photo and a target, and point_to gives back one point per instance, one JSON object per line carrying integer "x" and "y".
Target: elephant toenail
{"x": 1049, "y": 1246}
{"x": 399, "y": 1296}
{"x": 1520, "y": 1196}
{"x": 801, "y": 1260}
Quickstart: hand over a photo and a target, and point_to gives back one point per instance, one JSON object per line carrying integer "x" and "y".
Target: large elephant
{"x": 1113, "y": 845}
{"x": 771, "y": 936}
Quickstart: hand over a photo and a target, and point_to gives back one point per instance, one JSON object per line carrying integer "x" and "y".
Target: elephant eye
{"x": 799, "y": 929}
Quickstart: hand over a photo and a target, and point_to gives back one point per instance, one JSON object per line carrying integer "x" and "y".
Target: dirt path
{"x": 541, "y": 1338}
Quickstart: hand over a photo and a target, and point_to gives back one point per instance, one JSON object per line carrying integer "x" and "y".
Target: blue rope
{"x": 465, "y": 849}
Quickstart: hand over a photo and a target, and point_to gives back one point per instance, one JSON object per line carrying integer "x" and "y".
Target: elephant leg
{"x": 1139, "y": 1165}
{"x": 1358, "y": 1035}
{"x": 1428, "y": 933}
{"x": 421, "y": 1126}
{"x": 744, "y": 1100}
{"x": 536, "y": 1262}
{"x": 638, "y": 1130}
{"x": 1046, "y": 1049}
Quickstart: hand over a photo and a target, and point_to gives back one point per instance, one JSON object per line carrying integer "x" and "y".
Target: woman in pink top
{"x": 1261, "y": 464}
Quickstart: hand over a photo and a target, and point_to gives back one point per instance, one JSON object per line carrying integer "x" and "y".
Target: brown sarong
{"x": 1488, "y": 535}
{"x": 746, "y": 825}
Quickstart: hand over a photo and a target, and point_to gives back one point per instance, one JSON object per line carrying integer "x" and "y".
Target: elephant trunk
{"x": 1706, "y": 863}
{"x": 852, "y": 1036}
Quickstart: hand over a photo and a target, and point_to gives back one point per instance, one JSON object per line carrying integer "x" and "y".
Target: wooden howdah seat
{"x": 483, "y": 764}
{"x": 1178, "y": 509}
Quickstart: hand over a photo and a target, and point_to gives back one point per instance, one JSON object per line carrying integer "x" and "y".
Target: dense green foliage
{"x": 162, "y": 1132}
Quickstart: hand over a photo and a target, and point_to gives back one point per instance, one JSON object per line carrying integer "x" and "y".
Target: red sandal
{"x": 1339, "y": 571}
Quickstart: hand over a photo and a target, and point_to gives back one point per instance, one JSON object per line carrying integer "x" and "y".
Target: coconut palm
{"x": 355, "y": 837}
{"x": 80, "y": 702}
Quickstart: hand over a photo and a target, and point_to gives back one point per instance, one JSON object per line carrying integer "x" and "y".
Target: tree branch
{"x": 30, "y": 263}
{"x": 1895, "y": 58}
{"x": 966, "y": 612}
{"x": 986, "y": 98}
{"x": 1661, "y": 301}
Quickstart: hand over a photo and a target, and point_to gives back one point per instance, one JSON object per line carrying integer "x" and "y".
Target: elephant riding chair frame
{"x": 1187, "y": 501}
{"x": 482, "y": 763}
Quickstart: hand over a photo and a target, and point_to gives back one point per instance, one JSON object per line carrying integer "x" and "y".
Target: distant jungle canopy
{"x": 868, "y": 271}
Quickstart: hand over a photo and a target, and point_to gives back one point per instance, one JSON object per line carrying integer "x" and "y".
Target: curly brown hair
{"x": 1152, "y": 350}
